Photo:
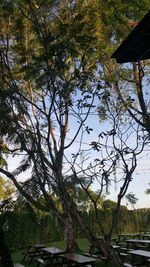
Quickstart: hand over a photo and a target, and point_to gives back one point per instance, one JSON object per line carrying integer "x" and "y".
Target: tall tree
{"x": 53, "y": 57}
{"x": 44, "y": 60}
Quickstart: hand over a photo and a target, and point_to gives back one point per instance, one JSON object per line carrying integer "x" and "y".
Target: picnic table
{"x": 77, "y": 259}
{"x": 33, "y": 251}
{"x": 49, "y": 256}
{"x": 125, "y": 236}
{"x": 136, "y": 242}
{"x": 143, "y": 254}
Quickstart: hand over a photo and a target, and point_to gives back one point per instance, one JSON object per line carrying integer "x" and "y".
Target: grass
{"x": 82, "y": 243}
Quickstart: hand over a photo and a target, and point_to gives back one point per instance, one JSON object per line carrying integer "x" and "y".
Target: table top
{"x": 78, "y": 258}
{"x": 142, "y": 253}
{"x": 138, "y": 241}
{"x": 53, "y": 250}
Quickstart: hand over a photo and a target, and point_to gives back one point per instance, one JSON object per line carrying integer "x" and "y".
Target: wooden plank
{"x": 128, "y": 265}
{"x": 18, "y": 265}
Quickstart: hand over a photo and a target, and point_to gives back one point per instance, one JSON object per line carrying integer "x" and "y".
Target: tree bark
{"x": 69, "y": 234}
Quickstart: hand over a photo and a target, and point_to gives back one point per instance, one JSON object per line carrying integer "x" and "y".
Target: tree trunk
{"x": 104, "y": 246}
{"x": 69, "y": 234}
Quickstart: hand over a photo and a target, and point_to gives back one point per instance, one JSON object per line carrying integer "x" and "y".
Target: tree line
{"x": 26, "y": 226}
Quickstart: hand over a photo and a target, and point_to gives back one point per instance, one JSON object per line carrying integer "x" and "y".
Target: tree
{"x": 44, "y": 59}
{"x": 124, "y": 85}
{"x": 127, "y": 82}
{"x": 148, "y": 190}
{"x": 130, "y": 197}
{"x": 52, "y": 57}
{"x": 85, "y": 203}
{"x": 109, "y": 204}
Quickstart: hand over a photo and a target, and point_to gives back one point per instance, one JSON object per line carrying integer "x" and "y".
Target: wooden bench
{"x": 90, "y": 255}
{"x": 18, "y": 265}
{"x": 40, "y": 261}
{"x": 103, "y": 258}
{"x": 45, "y": 263}
{"x": 126, "y": 249}
{"x": 77, "y": 259}
{"x": 128, "y": 265}
{"x": 123, "y": 254}
{"x": 48, "y": 260}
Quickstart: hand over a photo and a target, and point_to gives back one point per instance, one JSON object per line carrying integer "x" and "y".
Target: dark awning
{"x": 137, "y": 45}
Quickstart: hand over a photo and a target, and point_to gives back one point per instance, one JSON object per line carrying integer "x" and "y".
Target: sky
{"x": 139, "y": 184}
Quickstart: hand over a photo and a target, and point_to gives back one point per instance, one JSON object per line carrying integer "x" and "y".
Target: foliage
{"x": 131, "y": 199}
{"x": 109, "y": 204}
{"x": 6, "y": 189}
{"x": 148, "y": 190}
{"x": 24, "y": 228}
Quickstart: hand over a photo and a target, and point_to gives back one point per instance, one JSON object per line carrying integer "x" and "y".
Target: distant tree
{"x": 148, "y": 190}
{"x": 131, "y": 198}
{"x": 109, "y": 204}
